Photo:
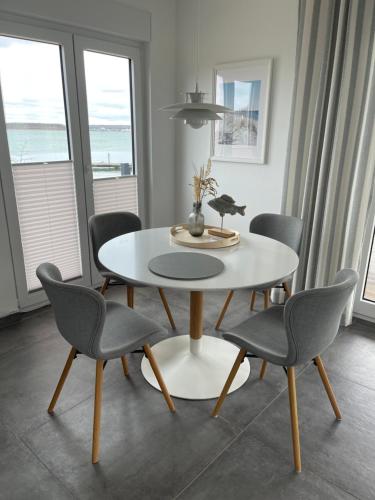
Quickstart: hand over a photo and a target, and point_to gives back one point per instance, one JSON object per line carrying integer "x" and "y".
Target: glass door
{"x": 41, "y": 157}
{"x": 364, "y": 305}
{"x": 109, "y": 84}
{"x": 70, "y": 146}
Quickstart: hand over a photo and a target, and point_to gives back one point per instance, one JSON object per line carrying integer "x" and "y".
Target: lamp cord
{"x": 196, "y": 42}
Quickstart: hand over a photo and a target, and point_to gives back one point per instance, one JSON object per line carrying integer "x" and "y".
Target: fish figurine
{"x": 225, "y": 204}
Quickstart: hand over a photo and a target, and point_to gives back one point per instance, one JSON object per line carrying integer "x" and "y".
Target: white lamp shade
{"x": 196, "y": 114}
{"x": 216, "y": 108}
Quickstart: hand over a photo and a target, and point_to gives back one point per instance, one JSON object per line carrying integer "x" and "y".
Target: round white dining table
{"x": 196, "y": 366}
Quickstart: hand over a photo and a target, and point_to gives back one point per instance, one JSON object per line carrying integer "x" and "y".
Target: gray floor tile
{"x": 22, "y": 475}
{"x": 146, "y": 451}
{"x": 35, "y": 328}
{"x": 249, "y": 469}
{"x": 353, "y": 354}
{"x": 342, "y": 452}
{"x": 149, "y": 453}
{"x": 29, "y": 376}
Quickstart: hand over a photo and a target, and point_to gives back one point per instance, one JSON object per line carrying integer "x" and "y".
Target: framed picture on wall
{"x": 244, "y": 87}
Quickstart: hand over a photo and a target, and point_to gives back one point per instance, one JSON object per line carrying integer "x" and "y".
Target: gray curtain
{"x": 331, "y": 157}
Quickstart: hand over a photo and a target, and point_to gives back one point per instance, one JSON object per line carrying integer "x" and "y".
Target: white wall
{"x": 161, "y": 88}
{"x": 8, "y": 295}
{"x": 233, "y": 31}
{"x": 99, "y": 15}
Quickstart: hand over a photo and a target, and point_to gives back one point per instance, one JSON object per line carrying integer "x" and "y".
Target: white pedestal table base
{"x": 195, "y": 369}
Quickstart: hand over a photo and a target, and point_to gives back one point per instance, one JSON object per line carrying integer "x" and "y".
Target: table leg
{"x": 195, "y": 366}
{"x": 196, "y": 322}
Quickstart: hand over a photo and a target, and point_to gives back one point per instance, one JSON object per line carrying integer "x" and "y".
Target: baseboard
{"x": 364, "y": 319}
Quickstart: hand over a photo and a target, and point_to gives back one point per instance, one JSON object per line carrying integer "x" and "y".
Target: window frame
{"x": 64, "y": 96}
{"x": 82, "y": 43}
{"x": 30, "y": 299}
{"x": 365, "y": 309}
{"x": 17, "y": 25}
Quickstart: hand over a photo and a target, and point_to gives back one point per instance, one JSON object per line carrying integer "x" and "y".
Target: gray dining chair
{"x": 99, "y": 329}
{"x": 283, "y": 228}
{"x": 104, "y": 227}
{"x": 294, "y": 335}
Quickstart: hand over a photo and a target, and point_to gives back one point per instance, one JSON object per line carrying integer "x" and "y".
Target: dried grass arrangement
{"x": 204, "y": 184}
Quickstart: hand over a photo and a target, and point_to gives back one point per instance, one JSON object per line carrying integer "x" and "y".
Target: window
{"x": 110, "y": 114}
{"x": 43, "y": 174}
{"x": 33, "y": 99}
{"x": 68, "y": 113}
{"x": 369, "y": 289}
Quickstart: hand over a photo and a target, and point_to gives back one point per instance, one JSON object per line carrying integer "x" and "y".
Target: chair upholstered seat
{"x": 117, "y": 280}
{"x": 124, "y": 330}
{"x": 294, "y": 335}
{"x": 272, "y": 284}
{"x": 263, "y": 335}
{"x": 103, "y": 228}
{"x": 99, "y": 329}
{"x": 283, "y": 228}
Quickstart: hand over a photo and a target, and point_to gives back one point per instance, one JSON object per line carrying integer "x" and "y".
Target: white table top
{"x": 256, "y": 261}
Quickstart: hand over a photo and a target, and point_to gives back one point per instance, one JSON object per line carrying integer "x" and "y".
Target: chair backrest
{"x": 104, "y": 227}
{"x": 79, "y": 311}
{"x": 312, "y": 317}
{"x": 283, "y": 228}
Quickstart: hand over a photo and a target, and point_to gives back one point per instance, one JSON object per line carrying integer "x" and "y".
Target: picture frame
{"x": 241, "y": 136}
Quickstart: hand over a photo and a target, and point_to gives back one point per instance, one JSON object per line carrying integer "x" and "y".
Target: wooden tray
{"x": 181, "y": 236}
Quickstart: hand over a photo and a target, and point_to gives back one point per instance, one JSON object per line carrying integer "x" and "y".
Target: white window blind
{"x": 47, "y": 213}
{"x": 116, "y": 194}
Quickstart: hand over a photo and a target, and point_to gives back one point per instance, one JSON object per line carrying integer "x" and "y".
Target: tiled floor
{"x": 148, "y": 453}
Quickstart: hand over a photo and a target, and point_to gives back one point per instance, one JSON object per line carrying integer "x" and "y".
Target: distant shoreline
{"x": 59, "y": 126}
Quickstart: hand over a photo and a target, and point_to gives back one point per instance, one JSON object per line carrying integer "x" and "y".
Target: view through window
{"x": 33, "y": 100}
{"x": 108, "y": 89}
{"x": 369, "y": 291}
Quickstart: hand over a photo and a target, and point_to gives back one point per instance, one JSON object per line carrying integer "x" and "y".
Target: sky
{"x": 239, "y": 94}
{"x": 31, "y": 84}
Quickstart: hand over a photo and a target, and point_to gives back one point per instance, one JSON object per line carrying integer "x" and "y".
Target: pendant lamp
{"x": 194, "y": 111}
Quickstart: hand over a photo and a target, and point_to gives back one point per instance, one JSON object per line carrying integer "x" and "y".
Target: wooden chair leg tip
{"x": 50, "y": 412}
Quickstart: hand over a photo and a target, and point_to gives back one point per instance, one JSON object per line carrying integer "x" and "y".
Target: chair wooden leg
{"x": 266, "y": 299}
{"x": 263, "y": 369}
{"x": 97, "y": 411}
{"x": 166, "y": 307}
{"x": 159, "y": 377}
{"x": 104, "y": 286}
{"x": 328, "y": 387}
{"x": 294, "y": 417}
{"x": 224, "y": 309}
{"x": 252, "y": 302}
{"x": 287, "y": 291}
{"x": 125, "y": 366}
{"x": 130, "y": 296}
{"x": 62, "y": 379}
{"x": 240, "y": 357}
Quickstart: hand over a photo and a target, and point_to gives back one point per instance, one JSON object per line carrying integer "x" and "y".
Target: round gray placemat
{"x": 185, "y": 265}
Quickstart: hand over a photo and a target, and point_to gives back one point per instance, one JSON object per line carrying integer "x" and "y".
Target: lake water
{"x": 107, "y": 146}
